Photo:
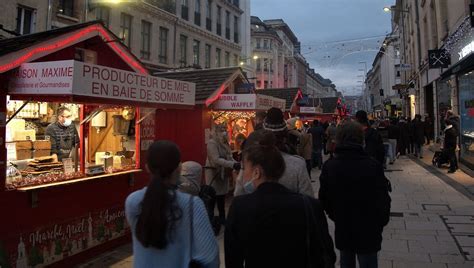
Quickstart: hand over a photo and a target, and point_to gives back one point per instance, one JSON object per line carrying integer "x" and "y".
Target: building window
{"x": 227, "y": 25}
{"x": 163, "y": 56}
{"x": 125, "y": 28}
{"x": 258, "y": 43}
{"x": 185, "y": 10}
{"x": 265, "y": 64}
{"x": 103, "y": 13}
{"x": 259, "y": 64}
{"x": 25, "y": 20}
{"x": 265, "y": 43}
{"x": 196, "y": 46}
{"x": 66, "y": 7}
{"x": 270, "y": 43}
{"x": 146, "y": 32}
{"x": 236, "y": 29}
{"x": 208, "y": 15}
{"x": 219, "y": 21}
{"x": 265, "y": 84}
{"x": 236, "y": 3}
{"x": 207, "y": 64}
{"x": 197, "y": 12}
{"x": 183, "y": 48}
{"x": 236, "y": 60}
{"x": 227, "y": 59}
{"x": 218, "y": 57}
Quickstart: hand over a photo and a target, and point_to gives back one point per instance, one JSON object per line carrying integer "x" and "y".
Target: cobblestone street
{"x": 432, "y": 224}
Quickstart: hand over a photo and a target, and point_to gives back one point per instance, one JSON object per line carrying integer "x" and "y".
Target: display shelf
{"x": 48, "y": 185}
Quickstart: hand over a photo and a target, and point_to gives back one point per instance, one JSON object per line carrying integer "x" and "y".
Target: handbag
{"x": 192, "y": 263}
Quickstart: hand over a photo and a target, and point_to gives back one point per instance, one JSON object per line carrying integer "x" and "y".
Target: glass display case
{"x": 49, "y": 142}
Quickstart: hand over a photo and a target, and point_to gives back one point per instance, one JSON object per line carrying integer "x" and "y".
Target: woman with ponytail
{"x": 169, "y": 228}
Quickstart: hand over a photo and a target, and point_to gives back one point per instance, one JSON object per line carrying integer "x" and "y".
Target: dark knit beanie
{"x": 275, "y": 120}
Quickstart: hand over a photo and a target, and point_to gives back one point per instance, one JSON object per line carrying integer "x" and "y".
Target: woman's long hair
{"x": 159, "y": 211}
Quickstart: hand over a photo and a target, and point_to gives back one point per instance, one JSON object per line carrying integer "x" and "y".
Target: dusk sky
{"x": 335, "y": 35}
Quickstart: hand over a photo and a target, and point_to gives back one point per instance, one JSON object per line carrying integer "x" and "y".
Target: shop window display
{"x": 466, "y": 107}
{"x": 444, "y": 102}
{"x": 238, "y": 124}
{"x": 44, "y": 142}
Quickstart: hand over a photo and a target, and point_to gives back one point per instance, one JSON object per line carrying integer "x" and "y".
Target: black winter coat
{"x": 450, "y": 138}
{"x": 393, "y": 132}
{"x": 354, "y": 194}
{"x": 268, "y": 228}
{"x": 419, "y": 132}
{"x": 318, "y": 137}
{"x": 374, "y": 145}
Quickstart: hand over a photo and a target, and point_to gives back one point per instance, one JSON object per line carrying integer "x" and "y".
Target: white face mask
{"x": 67, "y": 122}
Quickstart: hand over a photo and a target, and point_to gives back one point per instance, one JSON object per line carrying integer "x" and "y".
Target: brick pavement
{"x": 432, "y": 223}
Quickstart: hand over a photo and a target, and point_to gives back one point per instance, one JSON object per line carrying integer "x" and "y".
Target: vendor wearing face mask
{"x": 62, "y": 134}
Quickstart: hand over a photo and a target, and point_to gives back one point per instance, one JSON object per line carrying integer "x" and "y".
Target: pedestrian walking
{"x": 373, "y": 141}
{"x": 429, "y": 129}
{"x": 317, "y": 135}
{"x": 219, "y": 168}
{"x": 169, "y": 228}
{"x": 404, "y": 138}
{"x": 393, "y": 135}
{"x": 418, "y": 135}
{"x": 295, "y": 177}
{"x": 411, "y": 136}
{"x": 355, "y": 195}
{"x": 331, "y": 138}
{"x": 305, "y": 145}
{"x": 450, "y": 144}
{"x": 383, "y": 129}
{"x": 273, "y": 226}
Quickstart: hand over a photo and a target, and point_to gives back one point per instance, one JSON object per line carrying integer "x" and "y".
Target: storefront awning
{"x": 82, "y": 82}
{"x": 460, "y": 66}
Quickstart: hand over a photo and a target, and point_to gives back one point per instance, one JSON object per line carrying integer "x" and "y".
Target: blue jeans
{"x": 348, "y": 260}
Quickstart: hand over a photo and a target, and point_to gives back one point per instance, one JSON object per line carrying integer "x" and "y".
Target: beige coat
{"x": 219, "y": 158}
{"x": 305, "y": 147}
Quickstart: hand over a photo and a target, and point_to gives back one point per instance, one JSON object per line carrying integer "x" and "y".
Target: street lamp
{"x": 242, "y": 61}
{"x": 392, "y": 8}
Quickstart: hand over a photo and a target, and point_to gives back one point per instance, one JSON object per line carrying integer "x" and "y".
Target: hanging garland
{"x": 461, "y": 33}
{"x": 220, "y": 117}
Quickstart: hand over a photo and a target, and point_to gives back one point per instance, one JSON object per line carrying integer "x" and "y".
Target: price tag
{"x": 68, "y": 165}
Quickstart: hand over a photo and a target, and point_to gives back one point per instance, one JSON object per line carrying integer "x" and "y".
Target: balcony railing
{"x": 219, "y": 29}
{"x": 227, "y": 33}
{"x": 208, "y": 24}
{"x": 185, "y": 12}
{"x": 197, "y": 18}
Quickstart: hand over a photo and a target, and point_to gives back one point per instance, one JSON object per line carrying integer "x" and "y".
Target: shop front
{"x": 466, "y": 113}
{"x": 456, "y": 90}
{"x": 76, "y": 123}
{"x": 218, "y": 102}
{"x": 237, "y": 113}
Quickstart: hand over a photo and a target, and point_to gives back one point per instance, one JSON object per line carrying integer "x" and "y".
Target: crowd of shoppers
{"x": 274, "y": 219}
